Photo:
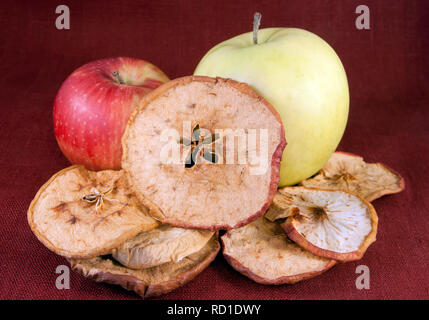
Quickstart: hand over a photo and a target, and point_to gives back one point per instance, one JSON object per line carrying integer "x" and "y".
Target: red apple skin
{"x": 92, "y": 108}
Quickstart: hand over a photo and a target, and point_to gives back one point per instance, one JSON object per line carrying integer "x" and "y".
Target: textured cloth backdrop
{"x": 387, "y": 68}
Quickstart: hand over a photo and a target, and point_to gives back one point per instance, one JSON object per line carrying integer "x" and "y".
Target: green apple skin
{"x": 303, "y": 78}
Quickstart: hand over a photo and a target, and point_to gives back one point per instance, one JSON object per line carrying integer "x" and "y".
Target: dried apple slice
{"x": 329, "y": 223}
{"x": 218, "y": 181}
{"x": 161, "y": 245}
{"x": 262, "y": 252}
{"x": 82, "y": 214}
{"x": 153, "y": 281}
{"x": 281, "y": 207}
{"x": 349, "y": 172}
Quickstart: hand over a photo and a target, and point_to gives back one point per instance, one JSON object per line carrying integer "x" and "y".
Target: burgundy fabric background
{"x": 387, "y": 68}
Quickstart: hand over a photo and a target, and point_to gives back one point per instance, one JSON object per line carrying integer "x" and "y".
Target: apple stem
{"x": 256, "y": 23}
{"x": 118, "y": 78}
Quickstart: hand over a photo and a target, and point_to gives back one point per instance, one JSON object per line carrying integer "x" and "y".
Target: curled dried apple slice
{"x": 149, "y": 282}
{"x": 349, "y": 172}
{"x": 281, "y": 207}
{"x": 204, "y": 153}
{"x": 82, "y": 214}
{"x": 329, "y": 223}
{"x": 161, "y": 245}
{"x": 261, "y": 251}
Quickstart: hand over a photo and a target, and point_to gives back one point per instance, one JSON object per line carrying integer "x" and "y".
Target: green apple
{"x": 303, "y": 78}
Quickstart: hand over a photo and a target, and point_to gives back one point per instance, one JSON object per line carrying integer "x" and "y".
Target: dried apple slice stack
{"x": 307, "y": 230}
{"x": 96, "y": 222}
{"x": 152, "y": 226}
{"x": 262, "y": 252}
{"x": 153, "y": 281}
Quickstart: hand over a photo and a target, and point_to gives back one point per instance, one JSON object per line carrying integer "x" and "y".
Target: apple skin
{"x": 92, "y": 108}
{"x": 303, "y": 78}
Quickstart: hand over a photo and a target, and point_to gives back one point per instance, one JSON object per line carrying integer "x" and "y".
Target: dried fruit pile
{"x": 153, "y": 226}
{"x": 94, "y": 219}
{"x": 309, "y": 228}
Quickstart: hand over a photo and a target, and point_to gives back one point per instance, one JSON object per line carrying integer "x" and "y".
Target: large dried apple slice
{"x": 82, "y": 214}
{"x": 161, "y": 245}
{"x": 262, "y": 252}
{"x": 329, "y": 223}
{"x": 217, "y": 181}
{"x": 153, "y": 281}
{"x": 349, "y": 172}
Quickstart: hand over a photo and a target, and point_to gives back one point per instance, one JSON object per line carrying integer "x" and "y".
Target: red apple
{"x": 94, "y": 104}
